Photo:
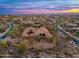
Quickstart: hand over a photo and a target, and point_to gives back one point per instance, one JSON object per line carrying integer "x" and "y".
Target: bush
{"x": 3, "y": 43}
{"x": 39, "y": 38}
{"x": 69, "y": 38}
{"x": 22, "y": 46}
{"x": 77, "y": 33}
{"x": 15, "y": 32}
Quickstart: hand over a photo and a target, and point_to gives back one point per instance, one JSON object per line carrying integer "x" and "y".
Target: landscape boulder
{"x": 31, "y": 31}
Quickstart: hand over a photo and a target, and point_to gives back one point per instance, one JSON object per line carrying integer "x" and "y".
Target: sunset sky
{"x": 38, "y": 6}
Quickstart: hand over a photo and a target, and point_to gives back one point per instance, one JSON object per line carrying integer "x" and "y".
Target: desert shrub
{"x": 39, "y": 37}
{"x": 3, "y": 43}
{"x": 69, "y": 38}
{"x": 2, "y": 30}
{"x": 49, "y": 26}
{"x": 37, "y": 51}
{"x": 15, "y": 32}
{"x": 40, "y": 50}
{"x": 22, "y": 46}
{"x": 77, "y": 33}
{"x": 3, "y": 51}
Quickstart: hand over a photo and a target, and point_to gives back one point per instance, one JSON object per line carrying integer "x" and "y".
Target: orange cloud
{"x": 72, "y": 10}
{"x": 48, "y": 11}
{"x": 40, "y": 11}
